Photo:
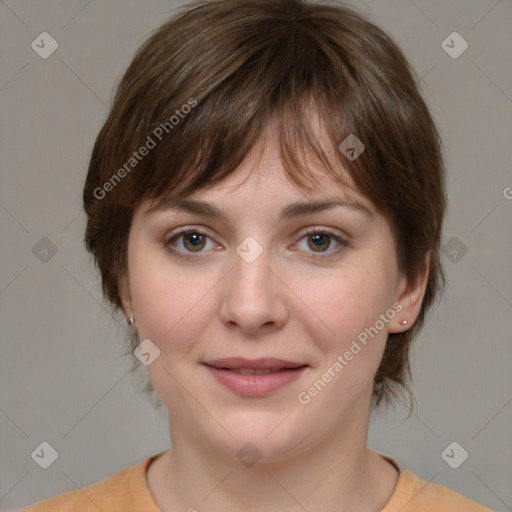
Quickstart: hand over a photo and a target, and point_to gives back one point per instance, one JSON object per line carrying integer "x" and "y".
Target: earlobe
{"x": 410, "y": 297}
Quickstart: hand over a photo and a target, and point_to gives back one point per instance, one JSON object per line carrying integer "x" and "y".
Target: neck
{"x": 339, "y": 474}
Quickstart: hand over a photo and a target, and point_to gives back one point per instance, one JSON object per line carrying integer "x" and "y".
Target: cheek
{"x": 354, "y": 338}
{"x": 347, "y": 310}
{"x": 167, "y": 304}
{"x": 172, "y": 303}
{"x": 345, "y": 304}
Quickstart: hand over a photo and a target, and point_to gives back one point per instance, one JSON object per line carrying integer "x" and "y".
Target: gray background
{"x": 63, "y": 380}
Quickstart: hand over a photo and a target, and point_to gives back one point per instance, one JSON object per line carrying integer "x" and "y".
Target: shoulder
{"x": 125, "y": 490}
{"x": 415, "y": 494}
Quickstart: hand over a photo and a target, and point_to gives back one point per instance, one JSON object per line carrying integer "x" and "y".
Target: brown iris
{"x": 319, "y": 238}
{"x": 197, "y": 241}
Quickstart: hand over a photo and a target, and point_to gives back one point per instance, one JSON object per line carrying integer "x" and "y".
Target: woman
{"x": 265, "y": 205}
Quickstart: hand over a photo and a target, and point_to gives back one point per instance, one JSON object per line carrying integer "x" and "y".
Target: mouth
{"x": 261, "y": 366}
{"x": 252, "y": 371}
{"x": 256, "y": 377}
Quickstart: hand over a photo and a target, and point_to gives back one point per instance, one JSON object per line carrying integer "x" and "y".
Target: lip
{"x": 262, "y": 363}
{"x": 254, "y": 385}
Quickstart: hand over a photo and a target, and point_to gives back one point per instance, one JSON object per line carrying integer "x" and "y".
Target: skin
{"x": 287, "y": 305}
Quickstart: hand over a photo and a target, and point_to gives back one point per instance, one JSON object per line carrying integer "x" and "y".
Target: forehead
{"x": 261, "y": 182}
{"x": 265, "y": 179}
{"x": 262, "y": 176}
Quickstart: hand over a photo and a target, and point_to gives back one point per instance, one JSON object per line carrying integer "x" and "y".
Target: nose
{"x": 254, "y": 297}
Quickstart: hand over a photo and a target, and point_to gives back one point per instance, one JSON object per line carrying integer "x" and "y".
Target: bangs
{"x": 304, "y": 146}
{"x": 289, "y": 86}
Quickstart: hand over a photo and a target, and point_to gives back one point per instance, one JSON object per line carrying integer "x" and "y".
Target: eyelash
{"x": 174, "y": 236}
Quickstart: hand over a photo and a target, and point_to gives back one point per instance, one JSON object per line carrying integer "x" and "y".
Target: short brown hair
{"x": 216, "y": 75}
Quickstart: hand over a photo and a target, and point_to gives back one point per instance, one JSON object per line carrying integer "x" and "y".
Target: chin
{"x": 272, "y": 436}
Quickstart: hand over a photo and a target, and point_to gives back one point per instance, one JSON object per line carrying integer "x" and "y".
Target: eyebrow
{"x": 297, "y": 209}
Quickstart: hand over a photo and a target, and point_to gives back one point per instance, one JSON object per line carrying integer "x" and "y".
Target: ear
{"x": 125, "y": 295}
{"x": 410, "y": 296}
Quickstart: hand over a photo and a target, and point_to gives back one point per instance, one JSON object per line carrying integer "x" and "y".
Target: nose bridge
{"x": 253, "y": 295}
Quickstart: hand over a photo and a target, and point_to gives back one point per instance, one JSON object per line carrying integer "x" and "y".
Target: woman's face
{"x": 260, "y": 283}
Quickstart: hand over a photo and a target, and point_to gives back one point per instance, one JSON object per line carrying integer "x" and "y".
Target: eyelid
{"x": 186, "y": 229}
{"x": 323, "y": 230}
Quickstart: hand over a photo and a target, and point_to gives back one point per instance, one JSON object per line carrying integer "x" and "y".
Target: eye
{"x": 191, "y": 240}
{"x": 319, "y": 240}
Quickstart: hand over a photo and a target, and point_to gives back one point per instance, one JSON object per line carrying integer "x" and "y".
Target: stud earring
{"x": 130, "y": 320}
{"x": 403, "y": 322}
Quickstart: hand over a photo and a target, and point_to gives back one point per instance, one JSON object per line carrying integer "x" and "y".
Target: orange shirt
{"x": 127, "y": 491}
